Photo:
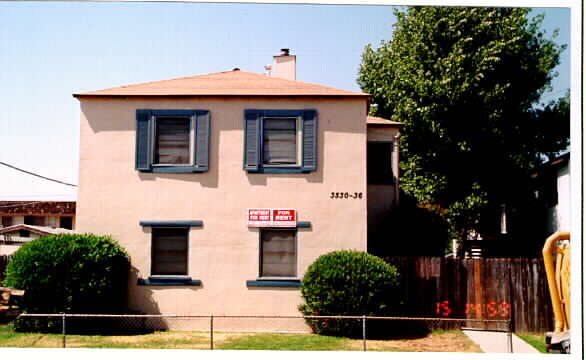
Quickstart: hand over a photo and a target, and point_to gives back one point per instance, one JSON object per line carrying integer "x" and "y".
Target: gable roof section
{"x": 41, "y": 230}
{"x": 375, "y": 120}
{"x": 229, "y": 83}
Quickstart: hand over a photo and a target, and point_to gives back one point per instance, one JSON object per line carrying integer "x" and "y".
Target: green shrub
{"x": 348, "y": 282}
{"x": 72, "y": 273}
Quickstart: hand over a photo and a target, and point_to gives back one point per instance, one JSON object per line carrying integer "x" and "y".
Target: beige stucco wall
{"x": 224, "y": 253}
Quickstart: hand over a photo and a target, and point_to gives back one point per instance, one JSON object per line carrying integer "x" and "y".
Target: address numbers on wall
{"x": 345, "y": 195}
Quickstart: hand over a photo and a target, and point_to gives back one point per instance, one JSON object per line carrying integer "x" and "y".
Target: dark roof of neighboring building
{"x": 37, "y": 208}
{"x": 228, "y": 83}
{"x": 41, "y": 230}
{"x": 375, "y": 120}
{"x": 552, "y": 165}
{"x": 559, "y": 161}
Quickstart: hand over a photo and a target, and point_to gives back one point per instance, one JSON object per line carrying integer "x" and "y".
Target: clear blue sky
{"x": 50, "y": 50}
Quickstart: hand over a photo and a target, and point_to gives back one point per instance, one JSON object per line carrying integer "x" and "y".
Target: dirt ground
{"x": 453, "y": 341}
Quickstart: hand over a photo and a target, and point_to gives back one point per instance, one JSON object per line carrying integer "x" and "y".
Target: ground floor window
{"x": 169, "y": 251}
{"x": 278, "y": 253}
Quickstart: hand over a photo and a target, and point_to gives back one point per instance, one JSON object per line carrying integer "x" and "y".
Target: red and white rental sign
{"x": 272, "y": 217}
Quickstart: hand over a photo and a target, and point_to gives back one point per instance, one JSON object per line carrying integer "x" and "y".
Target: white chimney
{"x": 284, "y": 65}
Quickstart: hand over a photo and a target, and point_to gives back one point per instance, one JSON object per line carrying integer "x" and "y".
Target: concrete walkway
{"x": 497, "y": 342}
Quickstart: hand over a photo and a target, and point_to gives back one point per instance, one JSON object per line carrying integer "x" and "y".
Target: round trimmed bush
{"x": 72, "y": 273}
{"x": 348, "y": 282}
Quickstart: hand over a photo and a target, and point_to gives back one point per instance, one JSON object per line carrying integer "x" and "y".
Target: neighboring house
{"x": 523, "y": 232}
{"x": 184, "y": 172}
{"x": 52, "y": 214}
{"x": 12, "y": 237}
{"x": 554, "y": 192}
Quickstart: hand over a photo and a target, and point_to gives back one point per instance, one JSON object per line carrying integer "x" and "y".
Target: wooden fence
{"x": 489, "y": 288}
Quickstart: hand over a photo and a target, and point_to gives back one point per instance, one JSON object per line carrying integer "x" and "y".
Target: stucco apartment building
{"x": 225, "y": 187}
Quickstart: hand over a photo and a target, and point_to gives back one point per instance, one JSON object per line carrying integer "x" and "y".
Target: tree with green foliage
{"x": 71, "y": 273}
{"x": 464, "y": 82}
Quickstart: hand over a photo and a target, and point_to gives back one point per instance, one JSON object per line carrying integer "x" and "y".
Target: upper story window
{"x": 280, "y": 141}
{"x": 66, "y": 222}
{"x": 6, "y": 221}
{"x": 172, "y": 140}
{"x": 35, "y": 220}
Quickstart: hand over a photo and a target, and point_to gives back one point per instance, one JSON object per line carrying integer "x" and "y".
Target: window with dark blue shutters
{"x": 175, "y": 141}
{"x": 280, "y": 141}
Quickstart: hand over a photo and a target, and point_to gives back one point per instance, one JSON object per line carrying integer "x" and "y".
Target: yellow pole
{"x": 548, "y": 248}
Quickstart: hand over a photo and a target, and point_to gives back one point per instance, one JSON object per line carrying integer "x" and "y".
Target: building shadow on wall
{"x": 148, "y": 306}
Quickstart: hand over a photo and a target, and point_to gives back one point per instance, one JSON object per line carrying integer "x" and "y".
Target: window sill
{"x": 283, "y": 170}
{"x": 176, "y": 169}
{"x": 168, "y": 281}
{"x": 273, "y": 283}
{"x": 175, "y": 223}
{"x": 304, "y": 225}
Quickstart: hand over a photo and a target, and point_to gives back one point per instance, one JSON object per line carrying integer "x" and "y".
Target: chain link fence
{"x": 200, "y": 331}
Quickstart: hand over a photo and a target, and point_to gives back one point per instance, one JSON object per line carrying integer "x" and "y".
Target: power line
{"x": 37, "y": 175}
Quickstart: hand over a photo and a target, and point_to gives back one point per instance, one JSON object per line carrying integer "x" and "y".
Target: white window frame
{"x": 192, "y": 138}
{"x": 260, "y": 257}
{"x": 298, "y": 142}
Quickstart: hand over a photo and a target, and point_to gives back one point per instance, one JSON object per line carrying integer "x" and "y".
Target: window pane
{"x": 6, "y": 221}
{"x": 66, "y": 222}
{"x": 278, "y": 253}
{"x": 172, "y": 141}
{"x": 169, "y": 252}
{"x": 35, "y": 220}
{"x": 280, "y": 141}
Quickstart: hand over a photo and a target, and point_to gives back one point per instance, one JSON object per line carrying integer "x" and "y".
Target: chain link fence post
{"x": 364, "y": 332}
{"x": 212, "y": 332}
{"x": 63, "y": 330}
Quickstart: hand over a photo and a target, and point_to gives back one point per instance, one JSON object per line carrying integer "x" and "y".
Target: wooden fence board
{"x": 490, "y": 288}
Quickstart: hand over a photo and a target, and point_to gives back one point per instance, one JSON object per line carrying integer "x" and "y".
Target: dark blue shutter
{"x": 143, "y": 140}
{"x": 251, "y": 140}
{"x": 309, "y": 140}
{"x": 202, "y": 142}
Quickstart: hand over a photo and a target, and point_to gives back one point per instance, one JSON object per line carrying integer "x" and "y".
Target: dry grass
{"x": 438, "y": 341}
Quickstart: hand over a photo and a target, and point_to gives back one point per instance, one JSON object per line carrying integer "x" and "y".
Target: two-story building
{"x": 225, "y": 187}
